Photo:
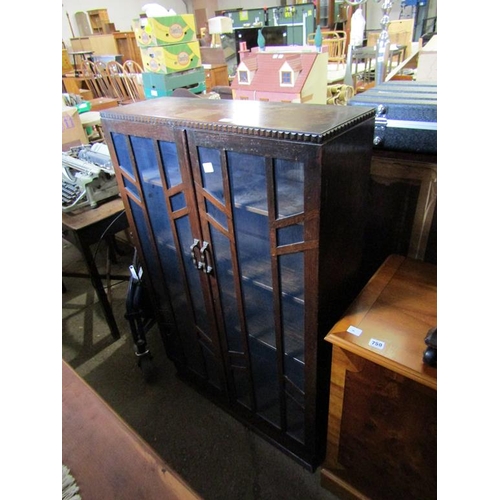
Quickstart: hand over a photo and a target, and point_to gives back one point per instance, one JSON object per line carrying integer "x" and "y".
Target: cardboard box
{"x": 400, "y": 33}
{"x": 159, "y": 85}
{"x": 154, "y": 31}
{"x": 171, "y": 58}
{"x": 73, "y": 133}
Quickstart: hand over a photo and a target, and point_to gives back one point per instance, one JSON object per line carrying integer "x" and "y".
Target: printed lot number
{"x": 378, "y": 344}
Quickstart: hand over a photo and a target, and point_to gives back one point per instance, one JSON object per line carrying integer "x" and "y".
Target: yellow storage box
{"x": 154, "y": 31}
{"x": 171, "y": 58}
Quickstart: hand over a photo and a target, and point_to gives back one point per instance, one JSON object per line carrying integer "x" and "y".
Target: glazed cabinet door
{"x": 156, "y": 185}
{"x": 256, "y": 239}
{"x": 249, "y": 220}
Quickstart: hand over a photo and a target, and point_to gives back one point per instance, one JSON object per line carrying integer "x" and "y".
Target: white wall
{"x": 247, "y": 4}
{"x": 120, "y": 12}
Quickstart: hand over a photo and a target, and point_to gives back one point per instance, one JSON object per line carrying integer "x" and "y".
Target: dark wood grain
{"x": 315, "y": 123}
{"x": 251, "y": 335}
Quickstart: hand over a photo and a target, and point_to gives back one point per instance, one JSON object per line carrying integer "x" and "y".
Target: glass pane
{"x": 249, "y": 182}
{"x": 247, "y": 175}
{"x": 295, "y": 419}
{"x": 177, "y": 202}
{"x": 219, "y": 216}
{"x": 291, "y": 234}
{"x": 145, "y": 158}
{"x": 221, "y": 253}
{"x": 170, "y": 162}
{"x": 265, "y": 378}
{"x": 211, "y": 366}
{"x": 201, "y": 360}
{"x": 121, "y": 147}
{"x": 242, "y": 385}
{"x": 147, "y": 247}
{"x": 193, "y": 275}
{"x": 289, "y": 182}
{"x": 171, "y": 266}
{"x": 292, "y": 306}
{"x": 130, "y": 187}
{"x": 211, "y": 172}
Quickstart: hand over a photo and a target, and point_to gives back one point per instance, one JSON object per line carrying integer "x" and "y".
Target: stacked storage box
{"x": 170, "y": 54}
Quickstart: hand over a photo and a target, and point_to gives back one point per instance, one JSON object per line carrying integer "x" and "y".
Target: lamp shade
{"x": 220, "y": 24}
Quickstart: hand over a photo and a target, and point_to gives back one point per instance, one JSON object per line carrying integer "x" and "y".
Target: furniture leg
{"x": 98, "y": 287}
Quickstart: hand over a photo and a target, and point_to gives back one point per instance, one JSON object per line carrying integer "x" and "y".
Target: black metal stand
{"x": 140, "y": 316}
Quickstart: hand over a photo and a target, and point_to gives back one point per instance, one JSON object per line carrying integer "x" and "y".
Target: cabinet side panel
{"x": 345, "y": 177}
{"x": 344, "y": 201}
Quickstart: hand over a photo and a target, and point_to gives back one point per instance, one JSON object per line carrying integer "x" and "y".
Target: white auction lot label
{"x": 378, "y": 344}
{"x": 354, "y": 330}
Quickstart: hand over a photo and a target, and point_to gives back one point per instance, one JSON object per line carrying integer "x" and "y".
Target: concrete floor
{"x": 217, "y": 455}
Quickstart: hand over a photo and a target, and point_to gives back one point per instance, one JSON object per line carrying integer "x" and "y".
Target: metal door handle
{"x": 196, "y": 263}
{"x": 207, "y": 269}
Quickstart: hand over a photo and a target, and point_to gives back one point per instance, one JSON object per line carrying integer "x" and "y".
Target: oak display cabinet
{"x": 249, "y": 222}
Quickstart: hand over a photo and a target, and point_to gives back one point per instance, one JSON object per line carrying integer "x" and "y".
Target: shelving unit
{"x": 249, "y": 221}
{"x": 126, "y": 45}
{"x": 98, "y": 18}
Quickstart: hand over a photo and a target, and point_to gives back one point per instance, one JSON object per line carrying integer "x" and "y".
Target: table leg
{"x": 101, "y": 293}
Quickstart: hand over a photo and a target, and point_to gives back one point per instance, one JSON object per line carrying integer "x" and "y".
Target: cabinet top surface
{"x": 302, "y": 122}
{"x": 394, "y": 312}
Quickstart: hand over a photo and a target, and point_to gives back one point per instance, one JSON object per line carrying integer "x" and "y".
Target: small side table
{"x": 85, "y": 228}
{"x": 382, "y": 423}
{"x": 83, "y": 55}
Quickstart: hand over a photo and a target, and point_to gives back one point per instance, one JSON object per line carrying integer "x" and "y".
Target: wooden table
{"x": 86, "y": 227}
{"x": 83, "y": 54}
{"x": 105, "y": 456}
{"x": 101, "y": 103}
{"x": 382, "y": 422}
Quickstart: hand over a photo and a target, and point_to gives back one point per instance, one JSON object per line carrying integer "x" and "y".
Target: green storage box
{"x": 159, "y": 85}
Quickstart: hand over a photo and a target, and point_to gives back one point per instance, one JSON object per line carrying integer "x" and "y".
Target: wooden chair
{"x": 336, "y": 43}
{"x": 131, "y": 66}
{"x": 119, "y": 82}
{"x": 104, "y": 79}
{"x": 133, "y": 72}
{"x": 88, "y": 72}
